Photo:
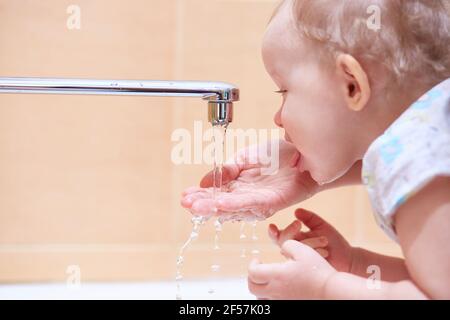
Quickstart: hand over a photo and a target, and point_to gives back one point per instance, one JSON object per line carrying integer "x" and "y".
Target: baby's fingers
{"x": 230, "y": 171}
{"x": 190, "y": 190}
{"x": 289, "y": 232}
{"x": 204, "y": 207}
{"x": 188, "y": 200}
{"x": 322, "y": 252}
{"x": 274, "y": 233}
{"x": 235, "y": 202}
{"x": 317, "y": 242}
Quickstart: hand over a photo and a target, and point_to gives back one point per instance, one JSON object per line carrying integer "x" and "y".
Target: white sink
{"x": 224, "y": 288}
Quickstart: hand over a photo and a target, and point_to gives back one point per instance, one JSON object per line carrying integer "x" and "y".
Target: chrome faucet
{"x": 220, "y": 95}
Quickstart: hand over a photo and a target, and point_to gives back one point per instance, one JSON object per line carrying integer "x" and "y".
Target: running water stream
{"x": 219, "y": 137}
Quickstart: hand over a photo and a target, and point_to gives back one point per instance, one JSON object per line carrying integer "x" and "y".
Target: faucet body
{"x": 220, "y": 95}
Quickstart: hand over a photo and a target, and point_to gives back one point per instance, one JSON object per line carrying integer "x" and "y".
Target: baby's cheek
{"x": 297, "y": 126}
{"x": 294, "y": 130}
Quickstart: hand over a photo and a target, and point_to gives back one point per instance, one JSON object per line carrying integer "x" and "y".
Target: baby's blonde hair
{"x": 412, "y": 43}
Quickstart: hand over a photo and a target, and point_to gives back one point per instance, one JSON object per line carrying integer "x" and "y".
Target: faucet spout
{"x": 220, "y": 95}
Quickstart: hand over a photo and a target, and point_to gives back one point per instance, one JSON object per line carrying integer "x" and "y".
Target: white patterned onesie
{"x": 409, "y": 154}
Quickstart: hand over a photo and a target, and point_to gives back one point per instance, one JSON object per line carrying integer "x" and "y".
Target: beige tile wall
{"x": 89, "y": 181}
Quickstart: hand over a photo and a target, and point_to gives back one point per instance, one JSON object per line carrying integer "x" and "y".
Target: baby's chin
{"x": 323, "y": 177}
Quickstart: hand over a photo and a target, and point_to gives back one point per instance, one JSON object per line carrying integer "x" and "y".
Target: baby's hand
{"x": 303, "y": 276}
{"x": 249, "y": 191}
{"x": 322, "y": 237}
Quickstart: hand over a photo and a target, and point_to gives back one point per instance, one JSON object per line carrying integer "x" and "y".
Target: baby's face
{"x": 313, "y": 110}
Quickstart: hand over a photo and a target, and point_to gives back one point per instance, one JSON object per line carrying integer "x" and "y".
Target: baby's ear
{"x": 354, "y": 82}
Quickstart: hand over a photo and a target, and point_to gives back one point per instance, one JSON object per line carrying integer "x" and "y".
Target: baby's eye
{"x": 282, "y": 92}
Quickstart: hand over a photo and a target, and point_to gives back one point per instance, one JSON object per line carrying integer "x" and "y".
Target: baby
{"x": 359, "y": 105}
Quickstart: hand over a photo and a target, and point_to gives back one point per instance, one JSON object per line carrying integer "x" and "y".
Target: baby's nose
{"x": 277, "y": 118}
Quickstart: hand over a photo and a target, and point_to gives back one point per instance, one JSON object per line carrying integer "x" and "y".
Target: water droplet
{"x": 215, "y": 267}
{"x": 194, "y": 235}
{"x": 218, "y": 225}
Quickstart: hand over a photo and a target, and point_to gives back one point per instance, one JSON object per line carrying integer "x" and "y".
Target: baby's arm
{"x": 391, "y": 268}
{"x": 422, "y": 225}
{"x": 423, "y": 229}
{"x": 343, "y": 285}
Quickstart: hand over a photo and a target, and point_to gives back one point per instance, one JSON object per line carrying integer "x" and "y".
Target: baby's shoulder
{"x": 410, "y": 153}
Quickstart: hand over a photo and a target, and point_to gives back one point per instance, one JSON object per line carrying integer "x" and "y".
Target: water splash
{"x": 242, "y": 238}
{"x": 220, "y": 132}
{"x": 219, "y": 150}
{"x": 197, "y": 221}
